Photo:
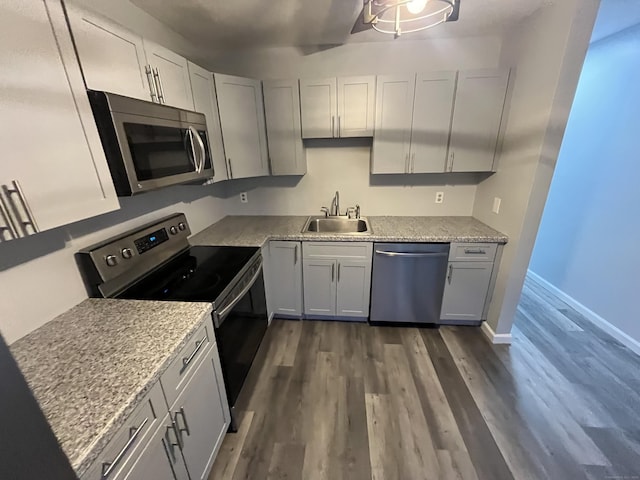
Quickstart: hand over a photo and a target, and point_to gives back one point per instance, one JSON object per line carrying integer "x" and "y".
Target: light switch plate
{"x": 496, "y": 205}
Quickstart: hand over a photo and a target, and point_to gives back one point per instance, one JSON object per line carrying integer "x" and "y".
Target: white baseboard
{"x": 496, "y": 338}
{"x": 593, "y": 317}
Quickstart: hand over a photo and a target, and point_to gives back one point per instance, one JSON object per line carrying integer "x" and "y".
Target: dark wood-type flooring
{"x": 332, "y": 400}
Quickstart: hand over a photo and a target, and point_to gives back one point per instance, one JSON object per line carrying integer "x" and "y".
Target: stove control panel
{"x": 134, "y": 251}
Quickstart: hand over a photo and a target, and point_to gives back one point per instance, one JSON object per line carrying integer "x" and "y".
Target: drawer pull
{"x": 474, "y": 251}
{"x": 184, "y": 419}
{"x": 171, "y": 444}
{"x": 108, "y": 467}
{"x": 187, "y": 360}
{"x": 450, "y": 276}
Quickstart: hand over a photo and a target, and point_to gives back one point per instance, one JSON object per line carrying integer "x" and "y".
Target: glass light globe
{"x": 416, "y": 6}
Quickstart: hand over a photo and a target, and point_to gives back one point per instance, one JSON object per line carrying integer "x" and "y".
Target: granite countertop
{"x": 257, "y": 230}
{"x": 90, "y": 367}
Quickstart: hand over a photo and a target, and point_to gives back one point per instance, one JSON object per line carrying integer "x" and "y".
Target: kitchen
{"x": 361, "y": 177}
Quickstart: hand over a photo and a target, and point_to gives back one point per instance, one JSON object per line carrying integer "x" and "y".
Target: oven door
{"x": 240, "y": 327}
{"x": 159, "y": 152}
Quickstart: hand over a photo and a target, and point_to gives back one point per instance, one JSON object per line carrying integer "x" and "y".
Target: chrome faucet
{"x": 335, "y": 205}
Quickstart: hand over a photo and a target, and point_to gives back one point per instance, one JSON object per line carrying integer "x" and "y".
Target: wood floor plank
{"x": 487, "y": 458}
{"x": 287, "y": 345}
{"x": 384, "y": 437}
{"x": 622, "y": 452}
{"x": 227, "y": 459}
{"x": 286, "y": 461}
{"x": 530, "y": 301}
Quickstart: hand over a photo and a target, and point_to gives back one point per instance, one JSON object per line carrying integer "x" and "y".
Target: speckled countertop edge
{"x": 79, "y": 438}
{"x": 258, "y": 230}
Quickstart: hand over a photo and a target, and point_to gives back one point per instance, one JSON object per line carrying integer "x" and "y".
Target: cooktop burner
{"x": 198, "y": 275}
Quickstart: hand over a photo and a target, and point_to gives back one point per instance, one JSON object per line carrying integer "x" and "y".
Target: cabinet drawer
{"x": 472, "y": 252}
{"x": 176, "y": 376}
{"x": 126, "y": 444}
{"x": 352, "y": 250}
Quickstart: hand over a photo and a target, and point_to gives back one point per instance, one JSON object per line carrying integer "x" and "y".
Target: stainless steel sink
{"x": 342, "y": 225}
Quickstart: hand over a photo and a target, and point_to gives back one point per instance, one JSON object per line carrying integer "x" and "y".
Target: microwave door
{"x": 156, "y": 152}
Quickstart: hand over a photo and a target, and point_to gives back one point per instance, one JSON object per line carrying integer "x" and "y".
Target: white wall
{"x": 39, "y": 278}
{"x": 587, "y": 243}
{"x": 547, "y": 50}
{"x": 347, "y": 169}
{"x": 342, "y": 164}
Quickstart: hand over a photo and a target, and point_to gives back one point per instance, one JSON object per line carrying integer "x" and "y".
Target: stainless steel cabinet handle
{"x": 295, "y": 255}
{"x": 152, "y": 83}
{"x": 184, "y": 419}
{"x": 333, "y": 129}
{"x": 31, "y": 221}
{"x": 187, "y": 360}
{"x": 453, "y": 157}
{"x": 9, "y": 225}
{"x": 156, "y": 75}
{"x": 476, "y": 251}
{"x": 333, "y": 272}
{"x": 230, "y": 169}
{"x": 338, "y": 272}
{"x": 172, "y": 444}
{"x": 412, "y": 255}
{"x": 450, "y": 273}
{"x": 108, "y": 467}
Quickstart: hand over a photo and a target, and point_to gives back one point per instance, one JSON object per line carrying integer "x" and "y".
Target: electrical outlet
{"x": 244, "y": 198}
{"x": 496, "y": 205}
{"x": 439, "y": 197}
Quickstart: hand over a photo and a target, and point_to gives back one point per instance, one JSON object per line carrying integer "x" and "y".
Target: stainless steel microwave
{"x": 149, "y": 146}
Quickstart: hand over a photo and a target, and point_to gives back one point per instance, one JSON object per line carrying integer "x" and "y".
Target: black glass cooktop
{"x": 198, "y": 275}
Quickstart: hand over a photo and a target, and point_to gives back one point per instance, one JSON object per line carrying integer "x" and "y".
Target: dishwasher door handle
{"x": 413, "y": 255}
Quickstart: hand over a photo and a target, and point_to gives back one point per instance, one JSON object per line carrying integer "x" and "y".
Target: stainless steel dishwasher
{"x": 408, "y": 282}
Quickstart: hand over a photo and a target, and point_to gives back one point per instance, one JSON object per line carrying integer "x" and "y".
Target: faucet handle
{"x": 351, "y": 211}
{"x": 325, "y": 210}
{"x": 357, "y": 211}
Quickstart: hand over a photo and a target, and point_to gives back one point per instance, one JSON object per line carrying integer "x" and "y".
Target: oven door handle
{"x": 222, "y": 314}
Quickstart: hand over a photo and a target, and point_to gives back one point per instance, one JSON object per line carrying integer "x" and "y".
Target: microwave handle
{"x": 203, "y": 152}
{"x": 193, "y": 157}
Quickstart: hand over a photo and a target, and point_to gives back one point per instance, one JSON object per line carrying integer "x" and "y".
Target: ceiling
{"x": 239, "y": 24}
{"x": 614, "y": 16}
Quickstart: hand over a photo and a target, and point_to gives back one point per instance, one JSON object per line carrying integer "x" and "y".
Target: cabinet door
{"x": 174, "y": 87}
{"x": 282, "y": 113}
{"x": 465, "y": 290}
{"x": 285, "y": 278}
{"x": 432, "y": 112}
{"x": 112, "y": 57}
{"x": 394, "y": 108}
{"x": 356, "y": 104}
{"x": 199, "y": 416}
{"x": 477, "y": 116}
{"x": 318, "y": 107}
{"x": 243, "y": 130}
{"x": 51, "y": 146}
{"x": 354, "y": 287}
{"x": 160, "y": 459}
{"x": 204, "y": 101}
{"x": 319, "y": 287}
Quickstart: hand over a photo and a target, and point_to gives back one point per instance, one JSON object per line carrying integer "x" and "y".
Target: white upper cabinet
{"x": 204, "y": 100}
{"x": 319, "y": 107}
{"x": 432, "y": 112}
{"x": 243, "y": 128}
{"x": 282, "y": 113}
{"x": 171, "y": 73}
{"x": 53, "y": 170}
{"x": 119, "y": 61}
{"x": 337, "y": 107}
{"x": 112, "y": 57}
{"x": 356, "y": 105}
{"x": 392, "y": 137}
{"x": 477, "y": 117}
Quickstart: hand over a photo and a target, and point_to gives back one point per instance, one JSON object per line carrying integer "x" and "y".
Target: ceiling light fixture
{"x": 396, "y": 17}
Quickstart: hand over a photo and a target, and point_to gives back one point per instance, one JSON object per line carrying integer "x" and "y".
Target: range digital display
{"x": 152, "y": 240}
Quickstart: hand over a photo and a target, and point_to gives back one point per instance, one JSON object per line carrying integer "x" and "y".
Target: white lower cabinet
{"x": 284, "y": 281}
{"x": 466, "y": 290}
{"x": 160, "y": 458}
{"x": 337, "y": 279}
{"x": 180, "y": 442}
